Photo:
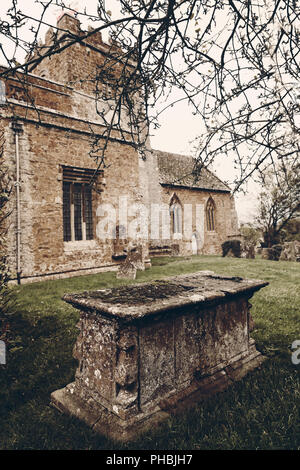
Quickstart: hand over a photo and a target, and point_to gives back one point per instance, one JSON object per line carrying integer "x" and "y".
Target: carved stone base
{"x": 105, "y": 422}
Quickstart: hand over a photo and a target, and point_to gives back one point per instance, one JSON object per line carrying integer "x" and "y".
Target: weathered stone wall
{"x": 42, "y": 152}
{"x": 209, "y": 242}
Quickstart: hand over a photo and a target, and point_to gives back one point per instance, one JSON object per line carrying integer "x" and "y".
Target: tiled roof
{"x": 177, "y": 170}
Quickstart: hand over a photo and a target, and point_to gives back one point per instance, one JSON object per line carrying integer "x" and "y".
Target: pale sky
{"x": 178, "y": 126}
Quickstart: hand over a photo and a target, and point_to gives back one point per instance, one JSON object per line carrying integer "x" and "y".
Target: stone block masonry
{"x": 147, "y": 350}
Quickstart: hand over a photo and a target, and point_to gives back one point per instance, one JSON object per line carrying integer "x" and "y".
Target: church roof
{"x": 177, "y": 170}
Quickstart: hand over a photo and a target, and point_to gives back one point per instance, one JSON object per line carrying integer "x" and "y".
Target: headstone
{"x": 126, "y": 270}
{"x": 134, "y": 261}
{"x": 135, "y": 256}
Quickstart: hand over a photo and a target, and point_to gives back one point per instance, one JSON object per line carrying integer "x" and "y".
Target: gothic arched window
{"x": 176, "y": 215}
{"x": 210, "y": 215}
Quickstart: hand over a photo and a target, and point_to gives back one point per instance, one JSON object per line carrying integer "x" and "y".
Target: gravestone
{"x": 146, "y": 350}
{"x": 134, "y": 261}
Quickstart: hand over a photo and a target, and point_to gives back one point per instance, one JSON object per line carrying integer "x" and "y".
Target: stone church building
{"x": 59, "y": 225}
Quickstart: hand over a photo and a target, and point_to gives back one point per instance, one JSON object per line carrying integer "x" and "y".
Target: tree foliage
{"x": 279, "y": 203}
{"x": 235, "y": 62}
{"x": 292, "y": 230}
{"x": 251, "y": 236}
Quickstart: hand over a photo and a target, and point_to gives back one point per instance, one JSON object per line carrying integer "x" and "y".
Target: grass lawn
{"x": 259, "y": 412}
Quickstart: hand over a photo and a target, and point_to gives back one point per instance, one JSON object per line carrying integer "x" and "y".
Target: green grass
{"x": 259, "y": 412}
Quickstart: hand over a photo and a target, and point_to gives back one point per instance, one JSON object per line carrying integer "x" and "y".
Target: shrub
{"x": 233, "y": 246}
{"x": 274, "y": 252}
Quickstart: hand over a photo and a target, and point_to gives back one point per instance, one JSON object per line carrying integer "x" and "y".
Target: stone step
{"x": 160, "y": 251}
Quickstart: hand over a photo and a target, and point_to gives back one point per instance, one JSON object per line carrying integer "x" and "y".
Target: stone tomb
{"x": 147, "y": 350}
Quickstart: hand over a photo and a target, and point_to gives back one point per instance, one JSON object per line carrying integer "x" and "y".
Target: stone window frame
{"x": 210, "y": 213}
{"x": 78, "y": 214}
{"x": 176, "y": 214}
